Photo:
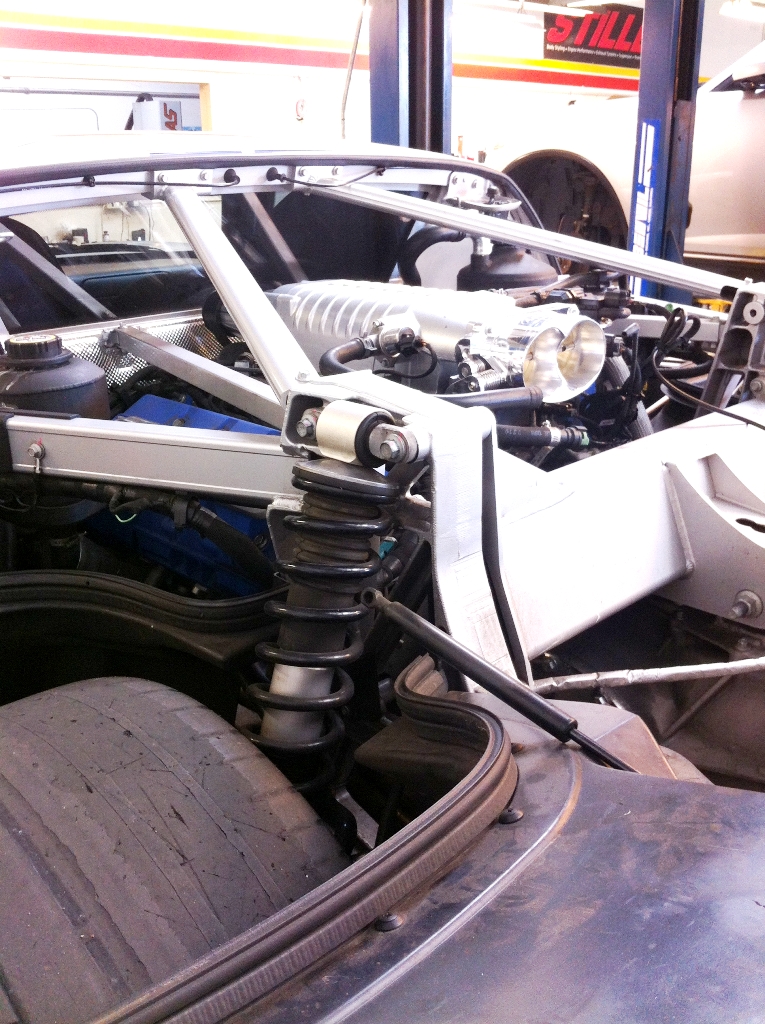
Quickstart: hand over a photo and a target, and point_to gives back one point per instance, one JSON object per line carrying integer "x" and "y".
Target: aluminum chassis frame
{"x": 495, "y": 523}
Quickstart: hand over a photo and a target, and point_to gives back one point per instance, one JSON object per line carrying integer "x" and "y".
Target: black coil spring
{"x": 332, "y": 555}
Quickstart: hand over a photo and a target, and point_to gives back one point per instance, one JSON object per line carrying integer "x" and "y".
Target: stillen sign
{"x": 612, "y": 36}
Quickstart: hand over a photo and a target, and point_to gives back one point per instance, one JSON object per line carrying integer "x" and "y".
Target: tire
{"x": 138, "y": 831}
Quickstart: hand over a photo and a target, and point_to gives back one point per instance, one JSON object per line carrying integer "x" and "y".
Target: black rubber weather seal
{"x": 248, "y": 967}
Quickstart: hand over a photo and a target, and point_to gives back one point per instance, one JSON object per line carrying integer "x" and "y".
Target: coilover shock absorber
{"x": 332, "y": 561}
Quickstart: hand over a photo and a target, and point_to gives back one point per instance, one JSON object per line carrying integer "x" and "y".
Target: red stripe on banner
{"x": 545, "y": 77}
{"x": 186, "y": 49}
{"x": 191, "y": 49}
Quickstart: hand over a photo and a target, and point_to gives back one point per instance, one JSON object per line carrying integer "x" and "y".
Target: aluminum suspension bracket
{"x": 459, "y": 451}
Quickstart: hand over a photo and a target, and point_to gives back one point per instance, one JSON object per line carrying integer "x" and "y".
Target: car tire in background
{"x": 571, "y": 197}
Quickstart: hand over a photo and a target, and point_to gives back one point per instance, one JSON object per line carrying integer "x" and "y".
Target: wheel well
{"x": 572, "y": 196}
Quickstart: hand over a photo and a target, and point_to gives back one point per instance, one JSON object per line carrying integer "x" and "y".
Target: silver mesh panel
{"x": 186, "y": 330}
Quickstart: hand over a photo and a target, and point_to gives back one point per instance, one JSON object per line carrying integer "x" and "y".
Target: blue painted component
{"x": 389, "y": 71}
{"x": 669, "y": 71}
{"x": 153, "y": 409}
{"x": 154, "y": 537}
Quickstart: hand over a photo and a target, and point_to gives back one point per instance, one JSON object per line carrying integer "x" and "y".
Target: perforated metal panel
{"x": 186, "y": 330}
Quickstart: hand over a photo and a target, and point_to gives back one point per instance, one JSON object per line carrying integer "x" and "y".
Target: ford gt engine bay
{"x": 340, "y": 531}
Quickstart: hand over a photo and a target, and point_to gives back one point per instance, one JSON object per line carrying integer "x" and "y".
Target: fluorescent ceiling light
{"x": 744, "y": 10}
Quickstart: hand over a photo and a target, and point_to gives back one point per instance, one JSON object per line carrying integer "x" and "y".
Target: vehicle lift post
{"x": 669, "y": 74}
{"x": 410, "y": 66}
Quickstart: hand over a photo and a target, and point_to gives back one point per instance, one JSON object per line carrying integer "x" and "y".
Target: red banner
{"x": 612, "y": 35}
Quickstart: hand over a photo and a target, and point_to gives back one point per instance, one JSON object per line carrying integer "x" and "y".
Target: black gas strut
{"x": 519, "y": 697}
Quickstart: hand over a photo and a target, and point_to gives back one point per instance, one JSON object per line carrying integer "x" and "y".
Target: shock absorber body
{"x": 333, "y": 559}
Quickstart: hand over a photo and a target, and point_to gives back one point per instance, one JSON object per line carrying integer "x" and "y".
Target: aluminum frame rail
{"x": 700, "y": 282}
{"x": 219, "y": 463}
{"x": 252, "y": 396}
{"x": 264, "y": 332}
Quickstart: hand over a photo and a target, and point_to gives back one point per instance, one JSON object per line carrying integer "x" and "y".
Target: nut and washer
{"x": 746, "y": 605}
{"x": 306, "y": 425}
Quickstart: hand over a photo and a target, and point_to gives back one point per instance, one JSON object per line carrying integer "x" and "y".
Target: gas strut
{"x": 519, "y": 697}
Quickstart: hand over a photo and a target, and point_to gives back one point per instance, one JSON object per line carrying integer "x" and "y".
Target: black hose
{"x": 541, "y": 437}
{"x": 683, "y": 372}
{"x": 334, "y": 359}
{"x": 501, "y": 398}
{"x": 415, "y": 246}
{"x": 240, "y": 548}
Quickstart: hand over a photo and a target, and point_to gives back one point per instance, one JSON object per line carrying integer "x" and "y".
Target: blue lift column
{"x": 669, "y": 75}
{"x": 410, "y": 66}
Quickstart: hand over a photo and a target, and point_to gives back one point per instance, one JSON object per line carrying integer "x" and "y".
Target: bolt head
{"x": 757, "y": 386}
{"x": 510, "y": 815}
{"x": 388, "y": 922}
{"x": 305, "y": 428}
{"x": 36, "y": 450}
{"x": 390, "y": 450}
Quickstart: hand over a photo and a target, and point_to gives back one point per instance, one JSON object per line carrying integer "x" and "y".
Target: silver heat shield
{"x": 552, "y": 347}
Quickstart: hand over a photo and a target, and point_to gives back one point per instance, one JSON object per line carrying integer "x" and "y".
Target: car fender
{"x": 597, "y": 133}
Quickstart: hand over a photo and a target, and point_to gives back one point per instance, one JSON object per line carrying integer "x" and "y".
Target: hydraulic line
{"x": 573, "y": 438}
{"x": 617, "y": 373}
{"x": 647, "y": 676}
{"x": 501, "y": 398}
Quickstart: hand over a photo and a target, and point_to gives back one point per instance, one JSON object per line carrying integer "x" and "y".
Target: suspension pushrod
{"x": 509, "y": 690}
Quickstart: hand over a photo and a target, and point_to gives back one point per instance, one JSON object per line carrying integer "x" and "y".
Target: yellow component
{"x": 716, "y": 305}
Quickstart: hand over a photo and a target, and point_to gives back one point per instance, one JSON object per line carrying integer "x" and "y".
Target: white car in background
{"x": 578, "y": 172}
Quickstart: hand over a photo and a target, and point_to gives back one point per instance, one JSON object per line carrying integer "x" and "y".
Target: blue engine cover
{"x": 154, "y": 537}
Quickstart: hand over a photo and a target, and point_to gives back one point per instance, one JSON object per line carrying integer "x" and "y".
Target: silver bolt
{"x": 756, "y": 386}
{"x": 746, "y": 605}
{"x": 301, "y": 375}
{"x": 390, "y": 450}
{"x": 306, "y": 425}
{"x": 335, "y": 171}
{"x": 204, "y": 175}
{"x": 36, "y": 451}
{"x": 161, "y": 176}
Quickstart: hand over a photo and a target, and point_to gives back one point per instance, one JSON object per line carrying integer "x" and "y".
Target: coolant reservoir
{"x": 38, "y": 373}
